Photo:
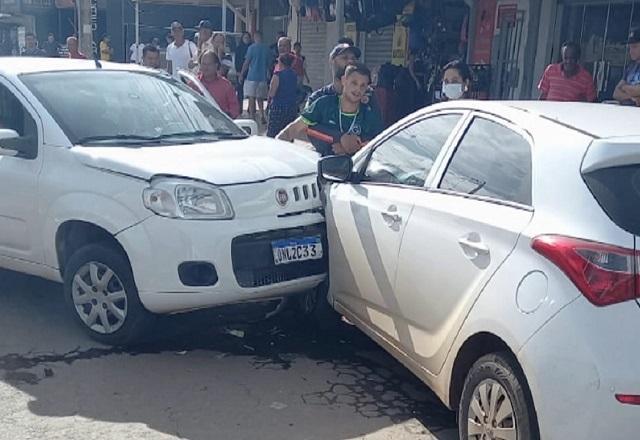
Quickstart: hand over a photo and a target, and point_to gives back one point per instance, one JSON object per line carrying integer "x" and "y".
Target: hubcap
{"x": 491, "y": 414}
{"x": 99, "y": 298}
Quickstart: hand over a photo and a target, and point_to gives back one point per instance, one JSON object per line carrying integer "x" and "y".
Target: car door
{"x": 459, "y": 233}
{"x": 366, "y": 220}
{"x": 19, "y": 179}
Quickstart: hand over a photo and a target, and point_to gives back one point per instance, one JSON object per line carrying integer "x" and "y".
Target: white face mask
{"x": 453, "y": 91}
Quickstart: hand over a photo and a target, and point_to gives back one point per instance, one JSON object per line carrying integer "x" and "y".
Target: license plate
{"x": 295, "y": 250}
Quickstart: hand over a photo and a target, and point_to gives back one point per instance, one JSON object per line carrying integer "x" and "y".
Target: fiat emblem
{"x": 282, "y": 197}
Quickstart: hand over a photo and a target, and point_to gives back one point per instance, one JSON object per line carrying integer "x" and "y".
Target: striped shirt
{"x": 556, "y": 86}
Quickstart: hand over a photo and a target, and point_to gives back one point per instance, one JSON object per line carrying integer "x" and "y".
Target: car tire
{"x": 99, "y": 288}
{"x": 480, "y": 417}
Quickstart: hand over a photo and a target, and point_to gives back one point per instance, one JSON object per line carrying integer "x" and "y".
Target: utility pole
{"x": 340, "y": 17}
{"x": 224, "y": 17}
{"x": 138, "y": 54}
{"x": 85, "y": 30}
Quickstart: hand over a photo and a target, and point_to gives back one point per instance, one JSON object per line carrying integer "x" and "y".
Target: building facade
{"x": 520, "y": 38}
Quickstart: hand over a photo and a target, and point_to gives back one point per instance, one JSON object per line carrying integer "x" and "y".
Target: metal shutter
{"x": 378, "y": 47}
{"x": 313, "y": 36}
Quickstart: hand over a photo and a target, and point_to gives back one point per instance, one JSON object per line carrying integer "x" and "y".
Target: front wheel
{"x": 100, "y": 292}
{"x": 496, "y": 403}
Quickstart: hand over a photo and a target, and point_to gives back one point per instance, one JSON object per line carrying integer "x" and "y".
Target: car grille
{"x": 253, "y": 263}
{"x": 305, "y": 192}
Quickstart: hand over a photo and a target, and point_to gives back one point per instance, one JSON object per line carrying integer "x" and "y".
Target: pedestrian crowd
{"x": 338, "y": 118}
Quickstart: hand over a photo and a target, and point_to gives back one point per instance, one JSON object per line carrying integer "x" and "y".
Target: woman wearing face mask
{"x": 456, "y": 81}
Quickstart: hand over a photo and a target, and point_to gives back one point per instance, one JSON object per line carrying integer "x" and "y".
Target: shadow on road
{"x": 208, "y": 374}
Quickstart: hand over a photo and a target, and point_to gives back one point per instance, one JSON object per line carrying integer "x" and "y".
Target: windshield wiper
{"x": 120, "y": 138}
{"x": 223, "y": 134}
{"x": 128, "y": 139}
{"x": 218, "y": 134}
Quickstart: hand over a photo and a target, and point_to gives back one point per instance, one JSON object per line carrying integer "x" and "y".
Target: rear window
{"x": 617, "y": 190}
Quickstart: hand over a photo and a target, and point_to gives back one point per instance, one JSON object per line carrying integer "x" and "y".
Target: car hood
{"x": 221, "y": 162}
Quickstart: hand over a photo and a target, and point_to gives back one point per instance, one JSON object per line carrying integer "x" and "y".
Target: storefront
{"x": 601, "y": 28}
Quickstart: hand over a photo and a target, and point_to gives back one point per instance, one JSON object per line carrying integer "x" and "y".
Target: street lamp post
{"x": 85, "y": 29}
{"x": 138, "y": 55}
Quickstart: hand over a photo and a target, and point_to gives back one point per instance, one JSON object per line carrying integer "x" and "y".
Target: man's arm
{"x": 543, "y": 85}
{"x": 296, "y": 130}
{"x": 169, "y": 61}
{"x": 245, "y": 69}
{"x": 232, "y": 102}
{"x": 304, "y": 69}
{"x": 273, "y": 88}
{"x": 619, "y": 94}
{"x": 631, "y": 91}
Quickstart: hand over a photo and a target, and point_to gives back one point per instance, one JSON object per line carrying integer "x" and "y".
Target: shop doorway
{"x": 602, "y": 30}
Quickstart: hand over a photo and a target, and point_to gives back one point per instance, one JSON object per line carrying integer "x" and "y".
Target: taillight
{"x": 628, "y": 399}
{"x": 604, "y": 274}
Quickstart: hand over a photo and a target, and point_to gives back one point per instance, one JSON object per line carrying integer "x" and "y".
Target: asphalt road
{"x": 219, "y": 374}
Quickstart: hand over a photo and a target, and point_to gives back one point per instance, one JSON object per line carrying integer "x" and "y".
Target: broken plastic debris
{"x": 278, "y": 406}
{"x": 236, "y": 333}
{"x": 181, "y": 353}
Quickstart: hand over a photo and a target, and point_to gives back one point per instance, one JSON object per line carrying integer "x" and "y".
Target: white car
{"x": 143, "y": 198}
{"x": 493, "y": 249}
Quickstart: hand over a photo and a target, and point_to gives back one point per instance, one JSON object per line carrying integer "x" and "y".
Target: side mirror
{"x": 9, "y": 142}
{"x": 335, "y": 169}
{"x": 248, "y": 125}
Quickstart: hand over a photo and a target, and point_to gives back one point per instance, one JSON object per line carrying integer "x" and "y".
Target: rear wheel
{"x": 496, "y": 403}
{"x": 101, "y": 294}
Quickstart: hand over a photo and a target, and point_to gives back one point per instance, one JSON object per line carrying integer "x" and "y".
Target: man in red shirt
{"x": 74, "y": 53}
{"x": 567, "y": 81}
{"x": 285, "y": 47}
{"x": 219, "y": 87}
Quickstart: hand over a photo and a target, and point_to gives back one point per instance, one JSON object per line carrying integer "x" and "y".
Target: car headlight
{"x": 187, "y": 199}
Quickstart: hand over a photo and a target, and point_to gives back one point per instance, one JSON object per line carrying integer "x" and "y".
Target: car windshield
{"x": 102, "y": 107}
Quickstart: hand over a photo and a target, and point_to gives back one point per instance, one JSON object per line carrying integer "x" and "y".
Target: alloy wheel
{"x": 491, "y": 414}
{"x": 99, "y": 298}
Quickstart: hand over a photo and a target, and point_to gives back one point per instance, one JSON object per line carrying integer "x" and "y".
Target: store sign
{"x": 485, "y": 29}
{"x": 94, "y": 27}
{"x": 400, "y": 44}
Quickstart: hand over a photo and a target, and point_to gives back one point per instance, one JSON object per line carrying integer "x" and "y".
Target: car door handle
{"x": 473, "y": 248}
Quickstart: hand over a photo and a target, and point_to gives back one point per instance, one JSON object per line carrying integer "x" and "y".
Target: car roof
{"x": 12, "y": 66}
{"x": 596, "y": 120}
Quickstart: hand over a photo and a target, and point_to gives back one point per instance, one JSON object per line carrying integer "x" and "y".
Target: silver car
{"x": 493, "y": 249}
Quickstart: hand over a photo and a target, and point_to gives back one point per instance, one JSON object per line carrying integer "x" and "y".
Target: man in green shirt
{"x": 343, "y": 120}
